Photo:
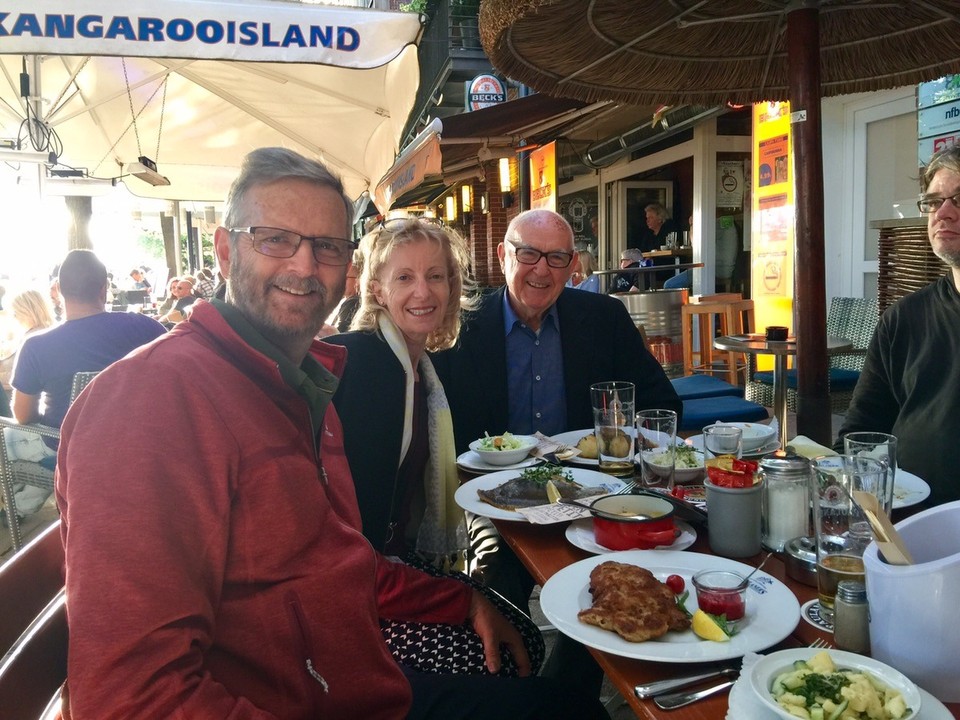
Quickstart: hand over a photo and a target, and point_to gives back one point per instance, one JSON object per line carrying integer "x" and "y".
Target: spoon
{"x": 747, "y": 578}
{"x": 603, "y": 513}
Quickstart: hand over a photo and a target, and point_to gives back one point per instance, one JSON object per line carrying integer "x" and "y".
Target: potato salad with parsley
{"x": 818, "y": 690}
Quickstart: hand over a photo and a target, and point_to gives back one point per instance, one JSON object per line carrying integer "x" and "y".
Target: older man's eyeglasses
{"x": 933, "y": 203}
{"x": 531, "y": 256}
{"x": 280, "y": 243}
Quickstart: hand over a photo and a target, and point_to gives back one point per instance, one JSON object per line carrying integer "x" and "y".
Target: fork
{"x": 821, "y": 644}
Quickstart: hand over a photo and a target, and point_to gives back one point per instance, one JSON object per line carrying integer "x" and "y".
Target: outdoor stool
{"x": 733, "y": 314}
{"x": 706, "y": 411}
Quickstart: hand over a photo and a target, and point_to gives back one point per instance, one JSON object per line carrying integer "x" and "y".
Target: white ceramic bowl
{"x": 765, "y": 671}
{"x": 680, "y": 475}
{"x": 755, "y": 435}
{"x": 506, "y": 457}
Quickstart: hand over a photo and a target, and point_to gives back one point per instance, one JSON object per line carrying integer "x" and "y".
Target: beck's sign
{"x": 484, "y": 91}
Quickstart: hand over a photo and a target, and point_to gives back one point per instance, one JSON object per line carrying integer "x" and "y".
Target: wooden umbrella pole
{"x": 803, "y": 52}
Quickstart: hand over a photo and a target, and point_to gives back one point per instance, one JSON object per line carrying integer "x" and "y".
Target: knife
{"x": 664, "y": 686}
{"x": 678, "y": 700}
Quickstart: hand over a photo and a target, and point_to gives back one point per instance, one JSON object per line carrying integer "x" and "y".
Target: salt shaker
{"x": 851, "y": 617}
{"x": 785, "y": 504}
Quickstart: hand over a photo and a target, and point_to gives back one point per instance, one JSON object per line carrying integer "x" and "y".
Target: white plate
{"x": 472, "y": 462}
{"x": 467, "y": 498}
{"x": 744, "y": 704}
{"x": 772, "y": 609}
{"x": 697, "y": 442}
{"x": 908, "y": 489}
{"x": 580, "y": 534}
{"x": 680, "y": 475}
{"x": 766, "y": 669}
{"x": 571, "y": 438}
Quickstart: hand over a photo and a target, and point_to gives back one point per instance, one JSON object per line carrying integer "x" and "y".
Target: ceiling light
{"x": 11, "y": 155}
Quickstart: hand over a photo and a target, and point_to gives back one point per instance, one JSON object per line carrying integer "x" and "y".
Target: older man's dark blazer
{"x": 599, "y": 340}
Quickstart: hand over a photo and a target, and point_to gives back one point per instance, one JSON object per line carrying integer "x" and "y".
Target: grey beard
{"x": 950, "y": 257}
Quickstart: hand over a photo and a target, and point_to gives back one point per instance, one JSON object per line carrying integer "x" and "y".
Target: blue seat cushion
{"x": 692, "y": 387}
{"x": 840, "y": 379}
{"x": 706, "y": 411}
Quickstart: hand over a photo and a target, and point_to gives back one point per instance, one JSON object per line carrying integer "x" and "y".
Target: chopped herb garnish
{"x": 541, "y": 473}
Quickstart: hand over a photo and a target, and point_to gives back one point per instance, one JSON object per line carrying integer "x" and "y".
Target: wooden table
{"x": 544, "y": 550}
{"x": 780, "y": 349}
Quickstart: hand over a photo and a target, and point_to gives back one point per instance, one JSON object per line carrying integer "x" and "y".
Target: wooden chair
{"x": 734, "y": 315}
{"x": 852, "y": 318}
{"x": 33, "y": 628}
{"x": 14, "y": 471}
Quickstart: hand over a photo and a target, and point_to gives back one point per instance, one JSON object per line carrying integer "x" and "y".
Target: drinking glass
{"x": 613, "y": 426}
{"x": 722, "y": 440}
{"x": 881, "y": 447}
{"x": 842, "y": 529}
{"x": 657, "y": 440}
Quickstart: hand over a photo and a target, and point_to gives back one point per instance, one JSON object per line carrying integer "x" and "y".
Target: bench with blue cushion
{"x": 694, "y": 387}
{"x": 840, "y": 378}
{"x": 706, "y": 411}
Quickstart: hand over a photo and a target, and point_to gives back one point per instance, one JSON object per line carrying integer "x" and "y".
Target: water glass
{"x": 881, "y": 447}
{"x": 722, "y": 440}
{"x": 613, "y": 426}
{"x": 842, "y": 529}
{"x": 657, "y": 440}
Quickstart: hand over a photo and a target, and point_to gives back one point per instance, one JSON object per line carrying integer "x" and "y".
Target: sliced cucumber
{"x": 835, "y": 715}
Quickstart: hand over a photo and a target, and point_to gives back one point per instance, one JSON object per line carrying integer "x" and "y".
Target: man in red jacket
{"x": 227, "y": 577}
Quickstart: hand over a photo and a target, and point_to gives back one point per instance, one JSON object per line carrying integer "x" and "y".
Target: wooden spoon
{"x": 885, "y": 534}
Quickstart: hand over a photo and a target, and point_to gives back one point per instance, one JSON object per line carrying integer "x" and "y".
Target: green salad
{"x": 500, "y": 442}
{"x": 686, "y": 458}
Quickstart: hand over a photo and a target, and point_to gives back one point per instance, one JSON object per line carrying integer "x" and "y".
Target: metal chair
{"x": 80, "y": 381}
{"x": 14, "y": 470}
{"x": 852, "y": 318}
{"x": 33, "y": 628}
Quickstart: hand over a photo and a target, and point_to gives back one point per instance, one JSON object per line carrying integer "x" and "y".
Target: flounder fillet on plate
{"x": 531, "y": 490}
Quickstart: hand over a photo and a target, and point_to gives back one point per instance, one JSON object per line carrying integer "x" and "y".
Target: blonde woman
{"x": 397, "y": 427}
{"x": 32, "y": 313}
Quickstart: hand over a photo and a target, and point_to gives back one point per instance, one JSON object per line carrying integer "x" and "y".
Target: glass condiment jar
{"x": 785, "y": 500}
{"x": 851, "y": 617}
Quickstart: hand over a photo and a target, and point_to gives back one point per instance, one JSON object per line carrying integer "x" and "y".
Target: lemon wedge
{"x": 553, "y": 495}
{"x": 706, "y": 627}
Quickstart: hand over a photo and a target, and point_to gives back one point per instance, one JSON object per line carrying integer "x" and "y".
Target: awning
{"x": 467, "y": 141}
{"x": 193, "y": 85}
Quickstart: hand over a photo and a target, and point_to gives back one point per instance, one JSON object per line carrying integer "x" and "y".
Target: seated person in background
{"x": 583, "y": 277}
{"x": 659, "y": 225}
{"x": 140, "y": 282}
{"x": 347, "y": 308}
{"x": 629, "y": 282}
{"x": 247, "y": 588}
{"x": 205, "y": 285}
{"x": 185, "y": 298}
{"x": 88, "y": 340}
{"x": 31, "y": 313}
{"x": 411, "y": 298}
{"x": 909, "y": 384}
{"x": 172, "y": 296}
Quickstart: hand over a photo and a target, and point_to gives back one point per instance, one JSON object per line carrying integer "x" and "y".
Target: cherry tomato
{"x": 676, "y": 584}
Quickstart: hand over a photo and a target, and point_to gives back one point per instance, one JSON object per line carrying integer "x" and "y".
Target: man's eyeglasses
{"x": 931, "y": 204}
{"x": 399, "y": 224}
{"x": 531, "y": 256}
{"x": 280, "y": 243}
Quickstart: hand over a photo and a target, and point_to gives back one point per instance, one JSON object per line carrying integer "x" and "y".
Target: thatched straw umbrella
{"x": 708, "y": 52}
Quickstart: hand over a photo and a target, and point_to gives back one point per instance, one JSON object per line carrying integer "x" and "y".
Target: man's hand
{"x": 495, "y": 630}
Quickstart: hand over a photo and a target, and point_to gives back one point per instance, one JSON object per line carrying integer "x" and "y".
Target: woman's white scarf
{"x": 443, "y": 529}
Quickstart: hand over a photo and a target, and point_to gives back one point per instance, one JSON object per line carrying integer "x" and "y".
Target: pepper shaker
{"x": 785, "y": 504}
{"x": 851, "y": 617}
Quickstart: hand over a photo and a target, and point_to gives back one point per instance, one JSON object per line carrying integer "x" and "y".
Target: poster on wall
{"x": 772, "y": 218}
{"x": 730, "y": 184}
{"x": 938, "y": 116}
{"x": 543, "y": 177}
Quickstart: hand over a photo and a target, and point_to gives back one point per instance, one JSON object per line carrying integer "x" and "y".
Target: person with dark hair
{"x": 88, "y": 340}
{"x": 908, "y": 385}
{"x": 246, "y": 587}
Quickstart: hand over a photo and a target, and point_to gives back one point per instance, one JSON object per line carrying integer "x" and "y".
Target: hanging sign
{"x": 543, "y": 177}
{"x": 484, "y": 91}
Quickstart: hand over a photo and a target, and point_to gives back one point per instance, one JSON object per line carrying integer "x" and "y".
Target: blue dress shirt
{"x": 536, "y": 395}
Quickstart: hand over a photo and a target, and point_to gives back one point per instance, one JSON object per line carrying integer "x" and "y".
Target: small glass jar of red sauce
{"x": 721, "y": 592}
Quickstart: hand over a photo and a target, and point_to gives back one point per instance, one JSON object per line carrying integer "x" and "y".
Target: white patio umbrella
{"x": 193, "y": 85}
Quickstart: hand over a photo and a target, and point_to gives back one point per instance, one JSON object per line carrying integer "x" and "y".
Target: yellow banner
{"x": 772, "y": 238}
{"x": 543, "y": 177}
